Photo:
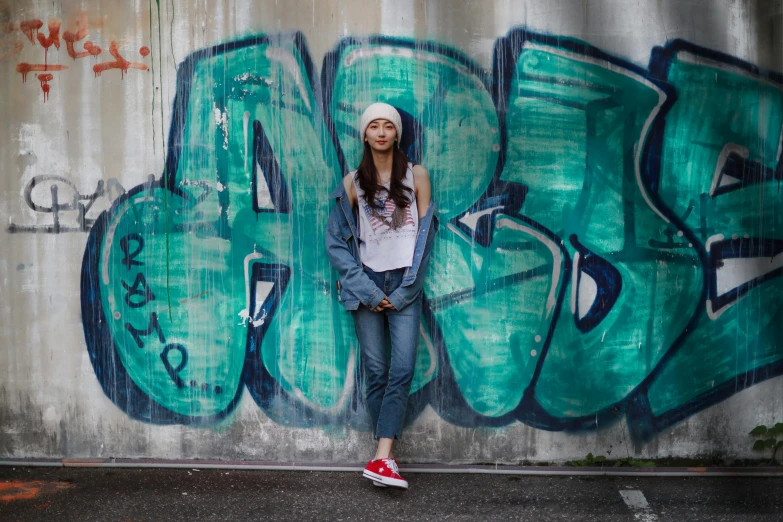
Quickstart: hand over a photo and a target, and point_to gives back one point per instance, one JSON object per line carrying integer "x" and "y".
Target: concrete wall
{"x": 605, "y": 277}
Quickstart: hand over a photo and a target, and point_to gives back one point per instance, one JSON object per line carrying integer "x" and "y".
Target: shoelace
{"x": 392, "y": 465}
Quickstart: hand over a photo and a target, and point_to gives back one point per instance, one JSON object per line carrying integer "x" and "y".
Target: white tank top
{"x": 387, "y": 234}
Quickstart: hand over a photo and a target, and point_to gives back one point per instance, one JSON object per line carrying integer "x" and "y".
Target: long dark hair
{"x": 367, "y": 176}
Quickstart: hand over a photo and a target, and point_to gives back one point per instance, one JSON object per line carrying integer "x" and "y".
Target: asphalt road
{"x": 165, "y": 494}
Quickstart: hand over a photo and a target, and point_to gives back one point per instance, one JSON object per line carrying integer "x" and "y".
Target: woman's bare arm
{"x": 421, "y": 184}
{"x": 350, "y": 189}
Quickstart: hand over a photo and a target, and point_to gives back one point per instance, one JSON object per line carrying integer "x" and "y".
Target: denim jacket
{"x": 342, "y": 246}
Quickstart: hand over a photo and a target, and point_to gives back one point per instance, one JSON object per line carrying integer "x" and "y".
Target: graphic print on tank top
{"x": 386, "y": 215}
{"x": 387, "y": 234}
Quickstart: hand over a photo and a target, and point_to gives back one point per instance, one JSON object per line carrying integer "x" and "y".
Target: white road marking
{"x": 635, "y": 500}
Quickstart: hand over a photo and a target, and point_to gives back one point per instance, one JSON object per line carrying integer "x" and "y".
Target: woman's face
{"x": 380, "y": 134}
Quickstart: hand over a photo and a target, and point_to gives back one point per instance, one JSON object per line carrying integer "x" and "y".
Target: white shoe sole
{"x": 378, "y": 484}
{"x": 385, "y": 481}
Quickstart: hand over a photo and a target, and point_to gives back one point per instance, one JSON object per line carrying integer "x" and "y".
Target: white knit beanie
{"x": 378, "y": 111}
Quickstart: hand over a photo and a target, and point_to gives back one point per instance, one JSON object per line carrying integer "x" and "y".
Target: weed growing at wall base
{"x": 602, "y": 461}
{"x": 768, "y": 439}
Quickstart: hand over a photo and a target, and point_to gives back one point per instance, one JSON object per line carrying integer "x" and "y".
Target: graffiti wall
{"x": 605, "y": 277}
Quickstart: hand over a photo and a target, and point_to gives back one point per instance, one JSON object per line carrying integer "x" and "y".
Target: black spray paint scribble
{"x": 58, "y": 196}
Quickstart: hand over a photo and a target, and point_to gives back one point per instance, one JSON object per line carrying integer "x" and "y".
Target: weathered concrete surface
{"x": 481, "y": 398}
{"x": 135, "y": 494}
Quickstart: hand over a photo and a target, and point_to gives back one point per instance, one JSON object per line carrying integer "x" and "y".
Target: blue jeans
{"x": 388, "y": 383}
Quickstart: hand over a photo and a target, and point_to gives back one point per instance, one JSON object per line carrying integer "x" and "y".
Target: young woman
{"x": 380, "y": 234}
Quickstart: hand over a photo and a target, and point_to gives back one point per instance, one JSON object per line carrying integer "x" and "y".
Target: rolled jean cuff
{"x": 388, "y": 431}
{"x": 395, "y": 436}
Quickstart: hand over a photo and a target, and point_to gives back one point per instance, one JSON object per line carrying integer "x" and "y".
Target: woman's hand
{"x": 384, "y": 305}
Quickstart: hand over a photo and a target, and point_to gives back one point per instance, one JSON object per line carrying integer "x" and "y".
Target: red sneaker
{"x": 385, "y": 472}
